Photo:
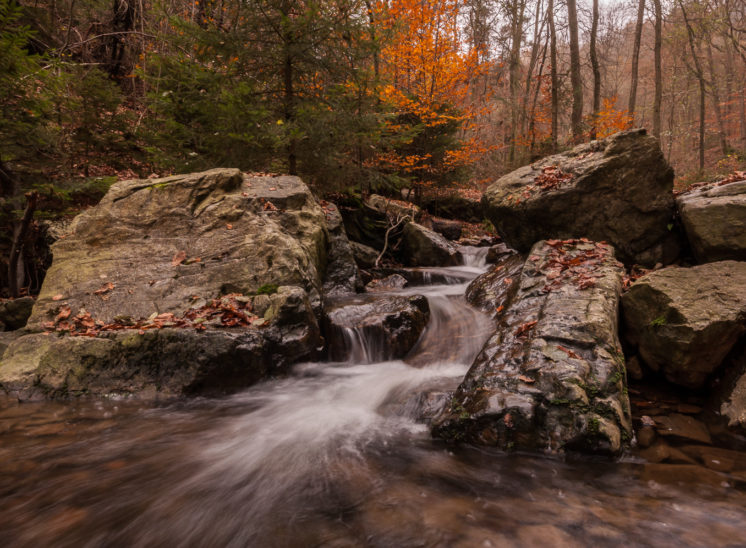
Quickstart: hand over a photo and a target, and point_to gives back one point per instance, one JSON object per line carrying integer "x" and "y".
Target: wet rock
{"x": 682, "y": 474}
{"x": 682, "y": 426}
{"x": 423, "y": 247}
{"x": 497, "y": 252}
{"x": 646, "y": 436}
{"x": 8, "y": 337}
{"x": 714, "y": 218}
{"x": 159, "y": 242}
{"x": 342, "y": 275}
{"x": 450, "y": 230}
{"x": 375, "y": 329}
{"x": 552, "y": 377}
{"x": 365, "y": 256}
{"x": 159, "y": 363}
{"x": 617, "y": 189}
{"x": 662, "y": 452}
{"x": 14, "y": 313}
{"x": 685, "y": 321}
{"x": 729, "y": 394}
{"x": 389, "y": 283}
{"x": 492, "y": 290}
{"x": 453, "y": 205}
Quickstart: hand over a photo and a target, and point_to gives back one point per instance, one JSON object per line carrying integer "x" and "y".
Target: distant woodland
{"x": 356, "y": 95}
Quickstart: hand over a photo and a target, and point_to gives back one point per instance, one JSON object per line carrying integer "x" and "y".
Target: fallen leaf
{"x": 526, "y": 379}
{"x": 63, "y": 314}
{"x": 569, "y": 352}
{"x": 179, "y": 258}
{"x": 229, "y": 226}
{"x": 526, "y": 327}
{"x": 104, "y": 289}
{"x": 58, "y": 297}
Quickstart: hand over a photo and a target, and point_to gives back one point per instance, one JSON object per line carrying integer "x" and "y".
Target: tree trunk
{"x": 702, "y": 88}
{"x": 658, "y": 69}
{"x": 596, "y": 70}
{"x": 7, "y": 184}
{"x": 636, "y": 59}
{"x": 123, "y": 21}
{"x": 575, "y": 82}
{"x": 553, "y": 62}
{"x": 290, "y": 114}
{"x": 516, "y": 9}
{"x": 715, "y": 91}
{"x": 17, "y": 246}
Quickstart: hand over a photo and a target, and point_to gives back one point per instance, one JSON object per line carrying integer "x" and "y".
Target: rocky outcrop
{"x": 150, "y": 246}
{"x": 423, "y": 247}
{"x": 389, "y": 283}
{"x": 714, "y": 217}
{"x": 617, "y": 189}
{"x": 684, "y": 321}
{"x": 552, "y": 377}
{"x": 163, "y": 362}
{"x": 342, "y": 275}
{"x": 373, "y": 329}
{"x": 14, "y": 313}
{"x": 153, "y": 252}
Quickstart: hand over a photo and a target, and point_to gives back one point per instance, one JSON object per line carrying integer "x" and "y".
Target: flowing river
{"x": 336, "y": 454}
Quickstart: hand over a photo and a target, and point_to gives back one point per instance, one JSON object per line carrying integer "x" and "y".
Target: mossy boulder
{"x": 684, "y": 321}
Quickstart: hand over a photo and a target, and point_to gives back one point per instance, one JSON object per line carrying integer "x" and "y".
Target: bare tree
{"x": 702, "y": 86}
{"x": 596, "y": 69}
{"x": 658, "y": 69}
{"x": 636, "y": 59}
{"x": 575, "y": 81}
{"x": 553, "y": 63}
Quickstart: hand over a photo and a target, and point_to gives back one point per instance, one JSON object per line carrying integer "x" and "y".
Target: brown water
{"x": 334, "y": 455}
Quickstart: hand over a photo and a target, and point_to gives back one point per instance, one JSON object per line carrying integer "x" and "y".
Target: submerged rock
{"x": 423, "y": 247}
{"x": 714, "y": 218}
{"x": 552, "y": 376}
{"x": 375, "y": 329}
{"x": 617, "y": 189}
{"x": 685, "y": 321}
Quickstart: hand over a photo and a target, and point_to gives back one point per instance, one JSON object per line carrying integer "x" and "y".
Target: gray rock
{"x": 371, "y": 329}
{"x": 394, "y": 281}
{"x": 552, "y": 377}
{"x": 159, "y": 242}
{"x": 423, "y": 247}
{"x": 714, "y": 218}
{"x": 342, "y": 275}
{"x": 14, "y": 313}
{"x": 365, "y": 256}
{"x": 684, "y": 321}
{"x": 497, "y": 252}
{"x": 619, "y": 190}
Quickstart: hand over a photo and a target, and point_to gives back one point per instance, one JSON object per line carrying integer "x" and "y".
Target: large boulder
{"x": 685, "y": 321}
{"x": 491, "y": 291}
{"x": 552, "y": 377}
{"x": 617, "y": 189}
{"x": 151, "y": 245}
{"x": 373, "y": 329}
{"x": 14, "y": 313}
{"x": 155, "y": 251}
{"x": 163, "y": 362}
{"x": 342, "y": 274}
{"x": 714, "y": 217}
{"x": 423, "y": 247}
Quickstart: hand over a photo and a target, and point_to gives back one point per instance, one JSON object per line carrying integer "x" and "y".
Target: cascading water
{"x": 333, "y": 455}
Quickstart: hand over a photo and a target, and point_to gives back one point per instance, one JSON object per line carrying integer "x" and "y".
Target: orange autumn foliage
{"x": 428, "y": 71}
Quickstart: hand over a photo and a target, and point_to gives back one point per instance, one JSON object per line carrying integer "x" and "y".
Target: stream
{"x": 336, "y": 454}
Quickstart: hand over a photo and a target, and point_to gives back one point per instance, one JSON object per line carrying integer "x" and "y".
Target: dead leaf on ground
{"x": 179, "y": 258}
{"x": 58, "y": 297}
{"x": 104, "y": 289}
